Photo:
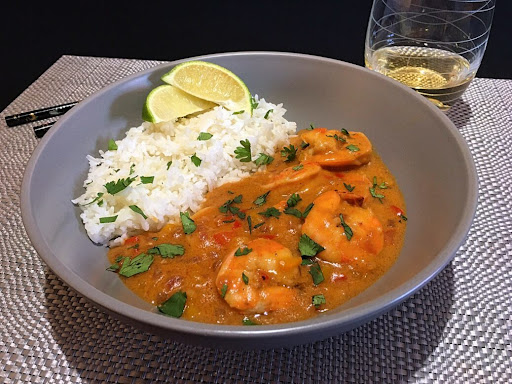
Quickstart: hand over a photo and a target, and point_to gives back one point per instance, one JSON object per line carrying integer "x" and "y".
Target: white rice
{"x": 146, "y": 151}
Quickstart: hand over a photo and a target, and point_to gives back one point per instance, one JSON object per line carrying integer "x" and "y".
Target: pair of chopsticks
{"x": 38, "y": 115}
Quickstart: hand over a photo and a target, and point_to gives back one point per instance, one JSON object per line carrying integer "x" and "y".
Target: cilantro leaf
{"x": 298, "y": 167}
{"x": 188, "y": 224}
{"x": 271, "y": 212}
{"x": 242, "y": 252}
{"x": 344, "y": 131}
{"x": 254, "y": 104}
{"x": 268, "y": 113}
{"x": 238, "y": 112}
{"x": 249, "y": 222}
{"x": 195, "y": 160}
{"x": 108, "y": 219}
{"x": 311, "y": 127}
{"x": 316, "y": 273}
{"x": 348, "y": 230}
{"x": 223, "y": 291}
{"x": 293, "y": 200}
{"x": 98, "y": 196}
{"x": 114, "y": 187}
{"x": 247, "y": 321}
{"x": 349, "y": 187}
{"x": 289, "y": 152}
{"x": 204, "y": 136}
{"x": 112, "y": 146}
{"x": 318, "y": 300}
{"x": 263, "y": 159}
{"x": 175, "y": 305}
{"x": 260, "y": 200}
{"x": 245, "y": 278}
{"x": 136, "y": 209}
{"x": 308, "y": 247}
{"x": 168, "y": 250}
{"x": 293, "y": 212}
{"x": 147, "y": 179}
{"x": 138, "y": 264}
{"x": 243, "y": 153}
{"x": 169, "y": 163}
{"x": 307, "y": 210}
{"x": 352, "y": 148}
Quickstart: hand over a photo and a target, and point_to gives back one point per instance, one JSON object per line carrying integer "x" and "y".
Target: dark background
{"x": 34, "y": 36}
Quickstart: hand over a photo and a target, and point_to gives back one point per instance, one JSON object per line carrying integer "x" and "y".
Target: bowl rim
{"x": 323, "y": 323}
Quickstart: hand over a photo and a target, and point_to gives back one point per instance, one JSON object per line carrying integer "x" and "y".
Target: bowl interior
{"x": 418, "y": 143}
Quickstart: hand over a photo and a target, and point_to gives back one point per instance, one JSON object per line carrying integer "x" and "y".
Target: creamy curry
{"x": 323, "y": 222}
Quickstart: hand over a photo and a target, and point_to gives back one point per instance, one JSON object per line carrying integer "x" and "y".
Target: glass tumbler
{"x": 432, "y": 46}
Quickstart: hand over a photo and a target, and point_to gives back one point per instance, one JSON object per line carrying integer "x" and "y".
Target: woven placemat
{"x": 457, "y": 329}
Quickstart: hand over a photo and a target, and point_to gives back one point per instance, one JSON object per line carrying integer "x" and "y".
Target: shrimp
{"x": 324, "y": 226}
{"x": 261, "y": 280}
{"x": 290, "y": 175}
{"x": 331, "y": 148}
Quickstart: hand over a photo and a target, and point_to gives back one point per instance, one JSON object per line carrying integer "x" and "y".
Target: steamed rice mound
{"x": 164, "y": 151}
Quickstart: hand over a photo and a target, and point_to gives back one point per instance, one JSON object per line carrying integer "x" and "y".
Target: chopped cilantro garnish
{"x": 316, "y": 273}
{"x": 168, "y": 250}
{"x": 247, "y": 321}
{"x": 254, "y": 104}
{"x": 403, "y": 217}
{"x": 108, "y": 219}
{"x": 245, "y": 278}
{"x": 293, "y": 212}
{"x": 135, "y": 246}
{"x": 249, "y": 222}
{"x": 290, "y": 153}
{"x": 229, "y": 221}
{"x": 271, "y": 212}
{"x": 338, "y": 138}
{"x": 98, "y": 196}
{"x": 304, "y": 145}
{"x": 147, "y": 179}
{"x": 263, "y": 159}
{"x": 298, "y": 167}
{"x": 311, "y": 127}
{"x": 308, "y": 247}
{"x": 382, "y": 185}
{"x": 352, "y": 148}
{"x": 348, "y": 230}
{"x": 242, "y": 252}
{"x": 136, "y": 209}
{"x": 376, "y": 195}
{"x": 169, "y": 163}
{"x": 114, "y": 187}
{"x": 243, "y": 153}
{"x": 238, "y": 199}
{"x": 268, "y": 113}
{"x": 349, "y": 187}
{"x": 306, "y": 261}
{"x": 100, "y": 203}
{"x": 195, "y": 160}
{"x": 258, "y": 225}
{"x": 112, "y": 146}
{"x": 204, "y": 136}
{"x": 223, "y": 291}
{"x": 114, "y": 267}
{"x": 307, "y": 210}
{"x": 293, "y": 200}
{"x": 175, "y": 305}
{"x": 138, "y": 264}
{"x": 131, "y": 169}
{"x": 231, "y": 192}
{"x": 239, "y": 112}
{"x": 344, "y": 131}
{"x": 188, "y": 224}
{"x": 154, "y": 238}
{"x": 260, "y": 200}
{"x": 318, "y": 300}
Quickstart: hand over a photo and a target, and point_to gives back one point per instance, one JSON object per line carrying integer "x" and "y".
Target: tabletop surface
{"x": 457, "y": 329}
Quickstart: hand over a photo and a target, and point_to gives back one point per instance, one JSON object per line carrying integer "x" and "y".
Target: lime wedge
{"x": 167, "y": 103}
{"x": 211, "y": 82}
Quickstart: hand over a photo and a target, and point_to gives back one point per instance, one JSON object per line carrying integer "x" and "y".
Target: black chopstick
{"x": 40, "y": 130}
{"x": 38, "y": 114}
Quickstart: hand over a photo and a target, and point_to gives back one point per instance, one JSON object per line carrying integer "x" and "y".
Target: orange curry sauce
{"x": 261, "y": 219}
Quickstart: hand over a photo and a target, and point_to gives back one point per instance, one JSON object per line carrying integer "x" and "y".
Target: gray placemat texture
{"x": 457, "y": 329}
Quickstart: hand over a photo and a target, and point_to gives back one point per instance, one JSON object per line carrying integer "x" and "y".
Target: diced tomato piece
{"x": 132, "y": 240}
{"x": 223, "y": 238}
{"x": 269, "y": 237}
{"x": 397, "y": 210}
{"x": 237, "y": 224}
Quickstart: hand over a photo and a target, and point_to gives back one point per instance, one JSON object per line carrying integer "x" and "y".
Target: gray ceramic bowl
{"x": 419, "y": 144}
